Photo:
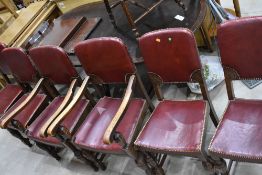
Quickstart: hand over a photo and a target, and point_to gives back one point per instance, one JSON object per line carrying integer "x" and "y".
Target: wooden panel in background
{"x": 26, "y": 16}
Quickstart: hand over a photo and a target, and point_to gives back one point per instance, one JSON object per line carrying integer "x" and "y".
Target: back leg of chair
{"x": 181, "y": 4}
{"x": 53, "y": 151}
{"x": 17, "y": 134}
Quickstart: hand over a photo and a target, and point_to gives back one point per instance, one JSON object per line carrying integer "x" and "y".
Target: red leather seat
{"x": 33, "y": 130}
{"x": 90, "y": 134}
{"x": 8, "y": 96}
{"x": 238, "y": 135}
{"x": 175, "y": 126}
{"x": 29, "y": 111}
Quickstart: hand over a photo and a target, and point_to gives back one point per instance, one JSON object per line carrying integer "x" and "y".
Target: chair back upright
{"x": 17, "y": 63}
{"x": 239, "y": 42}
{"x": 171, "y": 56}
{"x": 105, "y": 59}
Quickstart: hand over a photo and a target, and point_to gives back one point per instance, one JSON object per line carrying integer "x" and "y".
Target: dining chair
{"x": 15, "y": 61}
{"x": 176, "y": 127}
{"x": 113, "y": 123}
{"x": 237, "y": 137}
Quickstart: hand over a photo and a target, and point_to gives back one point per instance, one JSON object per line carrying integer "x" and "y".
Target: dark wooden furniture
{"x": 65, "y": 32}
{"x": 132, "y": 22}
{"x": 162, "y": 17}
{"x": 175, "y": 127}
{"x": 240, "y": 61}
{"x": 112, "y": 119}
{"x": 32, "y": 114}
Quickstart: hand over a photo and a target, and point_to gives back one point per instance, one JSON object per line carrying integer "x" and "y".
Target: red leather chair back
{"x": 171, "y": 54}
{"x": 105, "y": 57}
{"x": 52, "y": 62}
{"x": 19, "y": 64}
{"x": 240, "y": 46}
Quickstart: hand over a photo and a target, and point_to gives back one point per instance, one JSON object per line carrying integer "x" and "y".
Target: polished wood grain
{"x": 120, "y": 112}
{"x": 66, "y": 101}
{"x": 77, "y": 97}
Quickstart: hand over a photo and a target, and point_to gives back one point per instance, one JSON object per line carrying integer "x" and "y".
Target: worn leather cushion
{"x": 8, "y": 96}
{"x": 29, "y": 110}
{"x": 69, "y": 122}
{"x": 174, "y": 127}
{"x": 90, "y": 134}
{"x": 238, "y": 135}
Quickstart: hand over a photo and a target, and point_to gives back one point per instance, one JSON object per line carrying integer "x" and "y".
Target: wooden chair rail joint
{"x": 108, "y": 136}
{"x": 51, "y": 131}
{"x": 28, "y": 99}
{"x": 66, "y": 101}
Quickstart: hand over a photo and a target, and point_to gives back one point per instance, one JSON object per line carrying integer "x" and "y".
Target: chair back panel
{"x": 239, "y": 43}
{"x": 3, "y": 67}
{"x": 19, "y": 64}
{"x": 52, "y": 62}
{"x": 105, "y": 57}
{"x": 170, "y": 53}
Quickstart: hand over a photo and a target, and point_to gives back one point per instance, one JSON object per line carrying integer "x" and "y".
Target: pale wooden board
{"x": 45, "y": 13}
{"x": 67, "y": 5}
{"x": 26, "y": 16}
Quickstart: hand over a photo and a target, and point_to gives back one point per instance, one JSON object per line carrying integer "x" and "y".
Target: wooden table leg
{"x": 206, "y": 37}
{"x": 129, "y": 18}
{"x": 237, "y": 8}
{"x": 110, "y": 14}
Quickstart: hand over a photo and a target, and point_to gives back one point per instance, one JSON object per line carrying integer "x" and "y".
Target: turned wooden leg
{"x": 17, "y": 134}
{"x": 78, "y": 153}
{"x": 109, "y": 11}
{"x": 237, "y": 8}
{"x": 206, "y": 37}
{"x": 181, "y": 4}
{"x": 49, "y": 149}
{"x": 129, "y": 18}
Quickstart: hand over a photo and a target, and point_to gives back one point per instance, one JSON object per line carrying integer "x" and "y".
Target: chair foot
{"x": 216, "y": 166}
{"x": 17, "y": 134}
{"x": 50, "y": 150}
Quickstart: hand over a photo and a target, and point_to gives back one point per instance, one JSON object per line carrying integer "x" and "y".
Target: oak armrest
{"x": 19, "y": 108}
{"x": 51, "y": 129}
{"x": 120, "y": 112}
{"x": 66, "y": 101}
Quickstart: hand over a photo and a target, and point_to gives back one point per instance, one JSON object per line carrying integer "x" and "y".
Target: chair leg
{"x": 216, "y": 166}
{"x": 17, "y": 134}
{"x": 130, "y": 18}
{"x": 181, "y": 4}
{"x": 206, "y": 37}
{"x": 110, "y": 14}
{"x": 80, "y": 156}
{"x": 148, "y": 162}
{"x": 49, "y": 149}
{"x": 93, "y": 157}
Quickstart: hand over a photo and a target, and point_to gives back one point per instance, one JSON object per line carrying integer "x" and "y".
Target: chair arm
{"x": 120, "y": 112}
{"x": 51, "y": 129}
{"x": 66, "y": 101}
{"x": 19, "y": 108}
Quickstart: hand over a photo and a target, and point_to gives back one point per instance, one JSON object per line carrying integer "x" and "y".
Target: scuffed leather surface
{"x": 173, "y": 61}
{"x": 52, "y": 62}
{"x": 105, "y": 57}
{"x": 74, "y": 115}
{"x": 33, "y": 130}
{"x": 90, "y": 134}
{"x": 174, "y": 126}
{"x": 240, "y": 46}
{"x": 8, "y": 96}
{"x": 239, "y": 132}
{"x": 19, "y": 64}
{"x": 29, "y": 110}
